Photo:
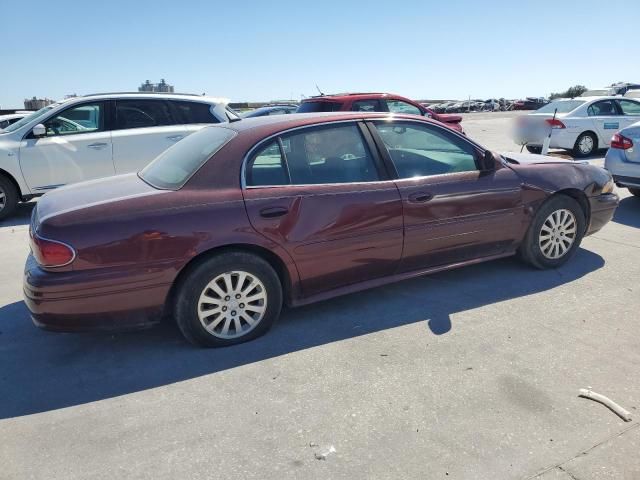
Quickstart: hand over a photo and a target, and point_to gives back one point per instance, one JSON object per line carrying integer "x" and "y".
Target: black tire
{"x": 530, "y": 250}
{"x": 9, "y": 201}
{"x": 635, "y": 191}
{"x": 578, "y": 153}
{"x": 536, "y": 150}
{"x": 186, "y": 298}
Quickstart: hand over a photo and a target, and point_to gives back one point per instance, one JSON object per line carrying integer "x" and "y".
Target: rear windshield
{"x": 172, "y": 168}
{"x": 315, "y": 107}
{"x": 563, "y": 106}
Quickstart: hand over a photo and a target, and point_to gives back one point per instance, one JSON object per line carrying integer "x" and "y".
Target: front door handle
{"x": 273, "y": 212}
{"x": 420, "y": 197}
{"x": 98, "y": 145}
{"x": 175, "y": 138}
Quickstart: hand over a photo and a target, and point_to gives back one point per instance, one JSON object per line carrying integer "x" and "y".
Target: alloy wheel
{"x": 232, "y": 304}
{"x": 586, "y": 145}
{"x": 557, "y": 234}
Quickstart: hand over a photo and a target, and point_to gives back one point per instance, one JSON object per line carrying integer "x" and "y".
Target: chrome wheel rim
{"x": 232, "y": 304}
{"x": 557, "y": 234}
{"x": 586, "y": 144}
{"x": 3, "y": 199}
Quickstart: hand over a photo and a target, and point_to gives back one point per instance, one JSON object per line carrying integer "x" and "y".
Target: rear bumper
{"x": 625, "y": 173}
{"x": 81, "y": 301}
{"x": 602, "y": 209}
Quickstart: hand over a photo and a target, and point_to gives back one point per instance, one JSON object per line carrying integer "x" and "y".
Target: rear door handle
{"x": 98, "y": 145}
{"x": 273, "y": 212}
{"x": 420, "y": 197}
{"x": 175, "y": 138}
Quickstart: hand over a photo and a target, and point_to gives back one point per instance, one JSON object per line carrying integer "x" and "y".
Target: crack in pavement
{"x": 583, "y": 453}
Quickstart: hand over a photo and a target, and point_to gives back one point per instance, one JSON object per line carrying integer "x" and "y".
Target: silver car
{"x": 623, "y": 158}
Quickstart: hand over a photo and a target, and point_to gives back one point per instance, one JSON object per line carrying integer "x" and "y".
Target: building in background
{"x": 156, "y": 87}
{"x": 37, "y": 103}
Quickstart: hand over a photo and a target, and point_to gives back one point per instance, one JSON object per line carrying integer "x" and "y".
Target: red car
{"x": 239, "y": 219}
{"x": 375, "y": 102}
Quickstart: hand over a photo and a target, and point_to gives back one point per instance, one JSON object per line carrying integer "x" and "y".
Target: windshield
{"x": 28, "y": 118}
{"x": 172, "y": 168}
{"x": 563, "y": 106}
{"x": 314, "y": 107}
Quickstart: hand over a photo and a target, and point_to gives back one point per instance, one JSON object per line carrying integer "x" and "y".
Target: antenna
{"x": 319, "y": 91}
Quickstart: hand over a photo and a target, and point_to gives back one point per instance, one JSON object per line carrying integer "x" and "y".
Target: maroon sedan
{"x": 239, "y": 219}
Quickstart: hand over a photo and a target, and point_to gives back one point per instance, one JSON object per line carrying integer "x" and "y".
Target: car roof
{"x": 284, "y": 122}
{"x": 352, "y": 96}
{"x": 171, "y": 96}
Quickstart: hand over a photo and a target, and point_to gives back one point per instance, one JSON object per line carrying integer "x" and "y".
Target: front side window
{"x": 172, "y": 168}
{"x": 424, "y": 150}
{"x": 366, "y": 106}
{"x": 193, "y": 112}
{"x": 397, "y": 106}
{"x": 630, "y": 108}
{"x": 142, "y": 113}
{"x": 85, "y": 118}
{"x": 603, "y": 108}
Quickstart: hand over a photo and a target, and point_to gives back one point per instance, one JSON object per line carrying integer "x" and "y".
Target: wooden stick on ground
{"x": 613, "y": 406}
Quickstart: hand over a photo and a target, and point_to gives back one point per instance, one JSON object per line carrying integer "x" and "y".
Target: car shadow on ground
{"x": 628, "y": 212}
{"x": 42, "y": 371}
{"x": 21, "y": 216}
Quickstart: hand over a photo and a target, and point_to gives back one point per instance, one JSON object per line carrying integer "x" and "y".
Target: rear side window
{"x": 267, "y": 167}
{"x": 193, "y": 112}
{"x": 142, "y": 113}
{"x": 604, "y": 108}
{"x": 398, "y": 106}
{"x": 335, "y": 154}
{"x": 315, "y": 107}
{"x": 366, "y": 106}
{"x": 172, "y": 168}
{"x": 630, "y": 108}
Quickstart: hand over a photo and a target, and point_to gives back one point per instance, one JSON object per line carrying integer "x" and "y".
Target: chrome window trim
{"x": 389, "y": 117}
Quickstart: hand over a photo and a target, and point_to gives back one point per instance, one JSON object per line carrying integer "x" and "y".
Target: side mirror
{"x": 39, "y": 131}
{"x": 490, "y": 161}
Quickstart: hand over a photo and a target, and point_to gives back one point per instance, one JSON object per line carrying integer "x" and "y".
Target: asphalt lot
{"x": 468, "y": 374}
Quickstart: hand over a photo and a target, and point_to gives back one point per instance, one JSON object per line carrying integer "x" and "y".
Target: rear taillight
{"x": 50, "y": 253}
{"x": 555, "y": 123}
{"x": 621, "y": 142}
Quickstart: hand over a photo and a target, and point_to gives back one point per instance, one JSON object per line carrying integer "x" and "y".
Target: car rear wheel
{"x": 8, "y": 197}
{"x": 554, "y": 234}
{"x": 536, "y": 150}
{"x": 228, "y": 299}
{"x": 635, "y": 191}
{"x": 586, "y": 144}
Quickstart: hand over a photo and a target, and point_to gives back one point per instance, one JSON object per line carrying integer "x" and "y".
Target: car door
{"x": 321, "y": 194}
{"x": 144, "y": 128}
{"x": 606, "y": 119}
{"x": 630, "y": 112}
{"x": 453, "y": 211}
{"x": 77, "y": 146}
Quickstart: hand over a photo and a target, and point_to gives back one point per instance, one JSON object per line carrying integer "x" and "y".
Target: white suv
{"x": 96, "y": 136}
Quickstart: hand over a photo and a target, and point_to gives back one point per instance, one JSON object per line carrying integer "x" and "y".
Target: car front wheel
{"x": 554, "y": 234}
{"x": 228, "y": 299}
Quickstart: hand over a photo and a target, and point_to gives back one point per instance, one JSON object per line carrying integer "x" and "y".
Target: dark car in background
{"x": 238, "y": 219}
{"x": 375, "y": 102}
{"x": 271, "y": 110}
{"x": 530, "y": 103}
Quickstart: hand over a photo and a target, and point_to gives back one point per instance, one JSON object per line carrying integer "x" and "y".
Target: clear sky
{"x": 263, "y": 50}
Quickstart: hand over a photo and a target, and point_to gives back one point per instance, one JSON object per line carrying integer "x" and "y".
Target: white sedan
{"x": 581, "y": 124}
